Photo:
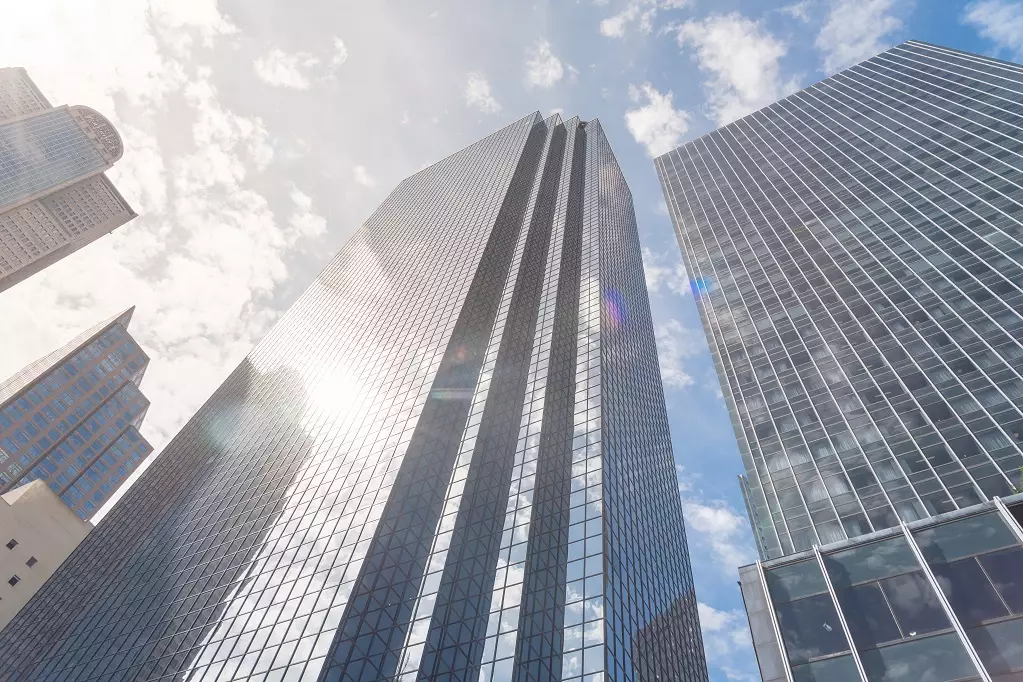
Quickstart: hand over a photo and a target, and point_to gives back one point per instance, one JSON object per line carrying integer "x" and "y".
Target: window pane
{"x": 842, "y": 669}
{"x": 867, "y": 614}
{"x": 934, "y": 659}
{"x": 1000, "y": 646}
{"x": 810, "y": 628}
{"x": 871, "y": 562}
{"x": 958, "y": 539}
{"x": 1005, "y": 569}
{"x": 969, "y": 592}
{"x": 914, "y": 604}
{"x": 795, "y": 580}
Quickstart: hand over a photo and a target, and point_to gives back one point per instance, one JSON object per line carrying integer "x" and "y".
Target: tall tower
{"x": 71, "y": 418}
{"x": 54, "y": 197}
{"x": 450, "y": 460}
{"x": 856, "y": 251}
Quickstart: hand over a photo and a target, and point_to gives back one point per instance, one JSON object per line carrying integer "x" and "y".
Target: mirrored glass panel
{"x": 1005, "y": 570}
{"x": 914, "y": 604}
{"x": 934, "y": 659}
{"x": 964, "y": 537}
{"x": 810, "y": 628}
{"x": 1000, "y": 647}
{"x": 796, "y": 580}
{"x": 870, "y": 562}
{"x": 868, "y": 616}
{"x": 841, "y": 669}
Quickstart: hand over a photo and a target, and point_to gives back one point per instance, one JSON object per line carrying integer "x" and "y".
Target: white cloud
{"x": 477, "y": 94}
{"x": 999, "y": 21}
{"x": 543, "y": 68}
{"x": 641, "y": 12}
{"x": 665, "y": 272}
{"x": 675, "y": 345}
{"x": 363, "y": 177}
{"x": 286, "y": 70}
{"x": 726, "y": 637}
{"x": 798, "y": 10}
{"x": 657, "y": 124}
{"x": 203, "y": 259}
{"x": 299, "y": 70}
{"x": 855, "y": 30}
{"x": 340, "y": 52}
{"x": 741, "y": 60}
{"x": 723, "y": 530}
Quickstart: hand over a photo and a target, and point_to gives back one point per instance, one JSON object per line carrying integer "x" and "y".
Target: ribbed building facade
{"x": 856, "y": 251}
{"x": 449, "y": 460}
{"x": 72, "y": 417}
{"x": 54, "y": 196}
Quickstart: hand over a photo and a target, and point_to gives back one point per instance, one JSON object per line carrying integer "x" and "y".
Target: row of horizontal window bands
{"x": 898, "y": 625}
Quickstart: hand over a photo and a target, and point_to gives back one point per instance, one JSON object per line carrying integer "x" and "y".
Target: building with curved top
{"x": 54, "y": 196}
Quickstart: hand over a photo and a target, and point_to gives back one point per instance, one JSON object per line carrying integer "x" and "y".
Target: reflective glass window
{"x": 796, "y": 580}
{"x": 841, "y": 669}
{"x": 934, "y": 659}
{"x": 964, "y": 537}
{"x": 1005, "y": 570}
{"x": 810, "y": 628}
{"x": 914, "y": 604}
{"x": 870, "y": 562}
{"x": 1000, "y": 646}
{"x": 868, "y": 616}
{"x": 968, "y": 591}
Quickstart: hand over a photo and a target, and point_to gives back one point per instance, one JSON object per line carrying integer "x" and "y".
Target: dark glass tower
{"x": 857, "y": 250}
{"x": 450, "y": 460}
{"x": 71, "y": 418}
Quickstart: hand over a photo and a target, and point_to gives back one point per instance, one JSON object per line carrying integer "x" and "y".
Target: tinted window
{"x": 841, "y": 669}
{"x": 969, "y": 592}
{"x": 1005, "y": 569}
{"x": 795, "y": 580}
{"x": 870, "y": 562}
{"x": 914, "y": 604}
{"x": 934, "y": 659}
{"x": 867, "y": 614}
{"x": 958, "y": 539}
{"x": 1000, "y": 646}
{"x": 810, "y": 628}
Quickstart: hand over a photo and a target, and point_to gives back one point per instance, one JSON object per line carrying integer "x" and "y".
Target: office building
{"x": 71, "y": 418}
{"x": 38, "y": 532}
{"x": 54, "y": 196}
{"x": 856, "y": 254}
{"x": 449, "y": 460}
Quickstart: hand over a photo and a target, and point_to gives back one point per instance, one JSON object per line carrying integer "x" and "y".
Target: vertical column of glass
{"x": 502, "y": 625}
{"x": 583, "y": 636}
{"x": 415, "y": 640}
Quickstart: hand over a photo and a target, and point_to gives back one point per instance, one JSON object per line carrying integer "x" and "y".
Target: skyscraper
{"x": 449, "y": 460}
{"x": 71, "y": 418}
{"x": 54, "y": 197}
{"x": 857, "y": 256}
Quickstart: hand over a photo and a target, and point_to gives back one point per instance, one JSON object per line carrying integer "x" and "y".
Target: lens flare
{"x": 614, "y": 305}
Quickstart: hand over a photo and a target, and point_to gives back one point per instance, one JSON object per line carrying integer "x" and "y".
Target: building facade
{"x": 38, "y": 532}
{"x": 54, "y": 196}
{"x": 449, "y": 460}
{"x": 71, "y": 418}
{"x": 856, "y": 251}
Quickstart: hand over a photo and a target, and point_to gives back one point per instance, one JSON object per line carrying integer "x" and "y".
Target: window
{"x": 14, "y": 580}
{"x": 12, "y": 544}
{"x": 32, "y": 561}
{"x": 810, "y": 628}
{"x": 936, "y": 659}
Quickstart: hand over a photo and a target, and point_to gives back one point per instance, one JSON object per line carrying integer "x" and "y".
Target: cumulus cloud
{"x": 543, "y": 68}
{"x": 656, "y": 123}
{"x": 741, "y": 61}
{"x": 856, "y": 30}
{"x": 202, "y": 260}
{"x": 642, "y": 13}
{"x": 363, "y": 177}
{"x": 675, "y": 345}
{"x": 298, "y": 70}
{"x": 726, "y": 637}
{"x": 999, "y": 21}
{"x": 798, "y": 10}
{"x": 477, "y": 94}
{"x": 665, "y": 272}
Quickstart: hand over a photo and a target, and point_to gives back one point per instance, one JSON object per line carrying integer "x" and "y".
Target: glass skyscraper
{"x": 449, "y": 460}
{"x": 54, "y": 197}
{"x": 856, "y": 253}
{"x": 71, "y": 418}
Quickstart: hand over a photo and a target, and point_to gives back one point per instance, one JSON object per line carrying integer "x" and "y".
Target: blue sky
{"x": 261, "y": 133}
